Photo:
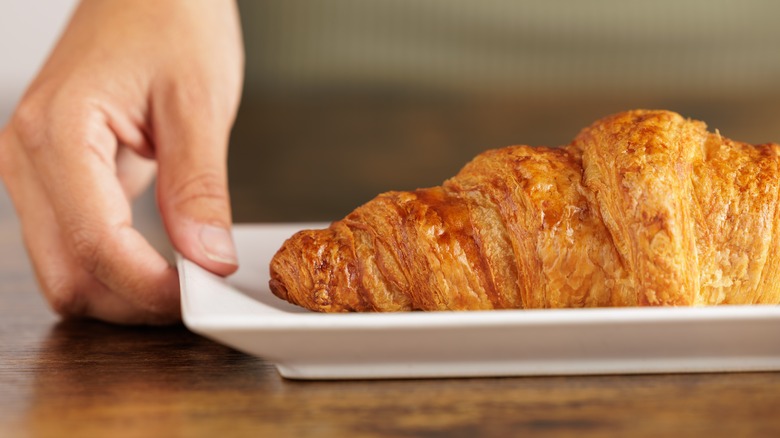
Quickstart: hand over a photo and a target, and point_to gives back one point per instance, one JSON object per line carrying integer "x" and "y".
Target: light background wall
{"x": 465, "y": 46}
{"x": 28, "y": 29}
{"x": 688, "y": 47}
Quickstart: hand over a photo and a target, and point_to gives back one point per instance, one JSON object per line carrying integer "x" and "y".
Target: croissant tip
{"x": 282, "y": 268}
{"x": 301, "y": 267}
{"x": 278, "y": 288}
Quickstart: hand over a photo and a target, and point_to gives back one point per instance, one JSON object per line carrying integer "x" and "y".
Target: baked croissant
{"x": 643, "y": 208}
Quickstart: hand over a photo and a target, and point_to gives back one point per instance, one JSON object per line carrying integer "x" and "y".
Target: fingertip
{"x": 146, "y": 279}
{"x": 217, "y": 245}
{"x": 210, "y": 246}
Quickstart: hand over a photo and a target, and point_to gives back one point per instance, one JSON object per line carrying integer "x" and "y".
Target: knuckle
{"x": 197, "y": 96}
{"x": 27, "y": 122}
{"x": 85, "y": 245}
{"x": 205, "y": 186}
{"x": 190, "y": 93}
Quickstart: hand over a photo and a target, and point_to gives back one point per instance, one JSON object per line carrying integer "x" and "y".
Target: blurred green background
{"x": 345, "y": 99}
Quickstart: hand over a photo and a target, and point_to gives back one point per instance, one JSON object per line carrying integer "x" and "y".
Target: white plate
{"x": 241, "y": 312}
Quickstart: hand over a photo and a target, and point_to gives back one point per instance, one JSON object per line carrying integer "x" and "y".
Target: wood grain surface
{"x": 85, "y": 378}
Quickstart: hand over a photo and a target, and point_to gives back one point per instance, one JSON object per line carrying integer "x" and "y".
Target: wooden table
{"x": 77, "y": 378}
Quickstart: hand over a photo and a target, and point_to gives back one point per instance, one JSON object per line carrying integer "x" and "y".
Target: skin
{"x": 132, "y": 90}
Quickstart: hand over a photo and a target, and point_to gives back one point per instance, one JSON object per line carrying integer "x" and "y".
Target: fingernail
{"x": 218, "y": 244}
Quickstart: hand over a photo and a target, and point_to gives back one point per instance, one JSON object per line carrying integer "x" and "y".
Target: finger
{"x": 191, "y": 147}
{"x": 74, "y": 158}
{"x": 70, "y": 290}
{"x": 134, "y": 172}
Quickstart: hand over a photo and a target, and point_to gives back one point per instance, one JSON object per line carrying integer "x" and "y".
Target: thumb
{"x": 192, "y": 190}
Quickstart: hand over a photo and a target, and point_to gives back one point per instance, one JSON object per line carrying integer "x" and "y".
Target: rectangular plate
{"x": 241, "y": 312}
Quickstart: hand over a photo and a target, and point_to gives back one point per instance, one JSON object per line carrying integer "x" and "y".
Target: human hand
{"x": 131, "y": 89}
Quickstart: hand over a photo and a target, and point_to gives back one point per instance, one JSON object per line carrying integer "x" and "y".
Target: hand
{"x": 131, "y": 89}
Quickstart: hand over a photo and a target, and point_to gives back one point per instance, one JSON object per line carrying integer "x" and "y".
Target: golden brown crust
{"x": 642, "y": 208}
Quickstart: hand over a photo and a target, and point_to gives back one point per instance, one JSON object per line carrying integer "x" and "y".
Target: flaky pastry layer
{"x": 643, "y": 208}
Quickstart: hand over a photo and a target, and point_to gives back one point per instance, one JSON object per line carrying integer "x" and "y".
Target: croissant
{"x": 643, "y": 208}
